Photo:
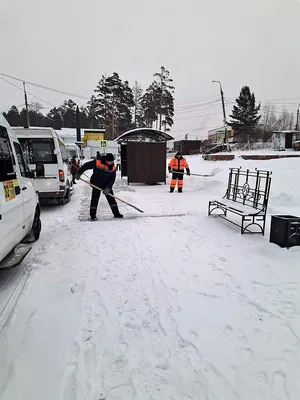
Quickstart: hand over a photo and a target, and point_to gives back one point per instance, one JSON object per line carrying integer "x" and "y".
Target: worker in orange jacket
{"x": 176, "y": 167}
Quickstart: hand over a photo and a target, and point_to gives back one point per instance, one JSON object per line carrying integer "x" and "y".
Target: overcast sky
{"x": 69, "y": 44}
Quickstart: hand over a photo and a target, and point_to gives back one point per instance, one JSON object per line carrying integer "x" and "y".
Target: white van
{"x": 19, "y": 203}
{"x": 47, "y": 157}
{"x": 73, "y": 151}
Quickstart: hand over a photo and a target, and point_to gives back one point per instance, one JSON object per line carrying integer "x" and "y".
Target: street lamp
{"x": 224, "y": 111}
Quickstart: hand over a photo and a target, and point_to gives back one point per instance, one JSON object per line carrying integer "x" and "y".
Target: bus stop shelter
{"x": 144, "y": 155}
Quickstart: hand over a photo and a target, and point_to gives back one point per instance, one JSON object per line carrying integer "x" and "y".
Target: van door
{"x": 11, "y": 204}
{"x": 26, "y": 185}
{"x": 63, "y": 163}
{"x": 41, "y": 151}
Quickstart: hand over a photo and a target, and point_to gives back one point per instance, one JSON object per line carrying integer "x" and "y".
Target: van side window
{"x": 20, "y": 159}
{"x": 38, "y": 150}
{"x": 63, "y": 151}
{"x": 6, "y": 157}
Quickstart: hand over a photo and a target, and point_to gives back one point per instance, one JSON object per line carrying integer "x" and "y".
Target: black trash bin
{"x": 285, "y": 230}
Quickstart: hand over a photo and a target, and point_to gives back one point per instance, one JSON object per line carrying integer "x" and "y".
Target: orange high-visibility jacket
{"x": 103, "y": 175}
{"x": 101, "y": 165}
{"x": 178, "y": 165}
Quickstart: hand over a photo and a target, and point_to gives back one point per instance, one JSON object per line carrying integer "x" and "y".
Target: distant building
{"x": 284, "y": 139}
{"x": 91, "y": 141}
{"x": 187, "y": 147}
{"x": 217, "y": 135}
{"x": 69, "y": 135}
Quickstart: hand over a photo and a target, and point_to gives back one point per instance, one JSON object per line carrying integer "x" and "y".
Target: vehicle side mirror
{"x": 40, "y": 170}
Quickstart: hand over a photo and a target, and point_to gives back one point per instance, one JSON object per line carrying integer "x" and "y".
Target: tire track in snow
{"x": 138, "y": 323}
{"x": 30, "y": 264}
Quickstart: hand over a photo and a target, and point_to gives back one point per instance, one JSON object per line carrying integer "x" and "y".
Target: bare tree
{"x": 269, "y": 120}
{"x": 285, "y": 121}
{"x": 35, "y": 107}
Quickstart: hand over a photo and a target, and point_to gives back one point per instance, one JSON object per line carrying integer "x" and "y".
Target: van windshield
{"x": 72, "y": 153}
{"x": 38, "y": 150}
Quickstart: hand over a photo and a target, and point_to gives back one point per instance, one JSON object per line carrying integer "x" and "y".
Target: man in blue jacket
{"x": 104, "y": 175}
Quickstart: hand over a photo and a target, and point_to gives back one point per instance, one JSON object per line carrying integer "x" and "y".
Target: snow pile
{"x": 171, "y": 304}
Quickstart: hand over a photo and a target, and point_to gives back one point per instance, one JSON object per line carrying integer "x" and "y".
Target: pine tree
{"x": 92, "y": 109}
{"x": 114, "y": 102}
{"x": 138, "y": 114}
{"x": 165, "y": 91}
{"x": 55, "y": 116}
{"x": 36, "y": 117}
{"x": 103, "y": 93}
{"x": 125, "y": 106}
{"x": 84, "y": 118}
{"x": 245, "y": 114}
{"x": 68, "y": 112}
{"x": 158, "y": 101}
{"x": 150, "y": 103}
{"x": 13, "y": 117}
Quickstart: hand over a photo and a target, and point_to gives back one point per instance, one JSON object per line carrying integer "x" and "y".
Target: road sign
{"x": 103, "y": 144}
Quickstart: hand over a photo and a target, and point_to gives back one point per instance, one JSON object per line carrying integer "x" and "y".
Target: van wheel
{"x": 36, "y": 226}
{"x": 35, "y": 231}
{"x": 60, "y": 201}
{"x": 67, "y": 196}
{"x": 64, "y": 200}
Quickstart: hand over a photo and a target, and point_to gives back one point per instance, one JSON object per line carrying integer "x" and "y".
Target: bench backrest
{"x": 250, "y": 188}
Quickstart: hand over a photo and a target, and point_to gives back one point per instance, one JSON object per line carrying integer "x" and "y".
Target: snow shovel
{"x": 184, "y": 173}
{"x": 117, "y": 198}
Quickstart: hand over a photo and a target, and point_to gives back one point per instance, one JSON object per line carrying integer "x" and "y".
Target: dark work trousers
{"x": 95, "y": 200}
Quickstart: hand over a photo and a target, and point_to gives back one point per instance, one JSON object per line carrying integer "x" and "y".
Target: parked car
{"x": 219, "y": 148}
{"x": 47, "y": 157}
{"x": 19, "y": 204}
{"x": 296, "y": 145}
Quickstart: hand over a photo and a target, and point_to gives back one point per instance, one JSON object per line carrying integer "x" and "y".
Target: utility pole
{"x": 224, "y": 112}
{"x": 78, "y": 130}
{"x": 297, "y": 121}
{"x": 26, "y": 122}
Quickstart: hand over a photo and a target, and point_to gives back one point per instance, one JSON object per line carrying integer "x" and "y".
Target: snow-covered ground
{"x": 174, "y": 306}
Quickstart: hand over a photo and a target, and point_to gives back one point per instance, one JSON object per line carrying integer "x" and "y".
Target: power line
{"x": 195, "y": 100}
{"x": 199, "y": 116}
{"x": 9, "y": 107}
{"x": 45, "y": 87}
{"x": 44, "y": 101}
{"x": 195, "y": 106}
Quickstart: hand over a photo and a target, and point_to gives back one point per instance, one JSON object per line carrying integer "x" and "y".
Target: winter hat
{"x": 178, "y": 154}
{"x": 109, "y": 157}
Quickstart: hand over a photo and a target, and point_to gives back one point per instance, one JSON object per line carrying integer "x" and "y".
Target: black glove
{"x": 106, "y": 191}
{"x": 170, "y": 170}
{"x": 188, "y": 172}
{"x": 77, "y": 176}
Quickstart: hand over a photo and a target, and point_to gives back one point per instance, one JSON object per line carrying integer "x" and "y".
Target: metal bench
{"x": 247, "y": 196}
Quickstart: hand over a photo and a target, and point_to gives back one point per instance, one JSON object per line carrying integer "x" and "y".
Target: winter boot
{"x": 179, "y": 190}
{"x": 171, "y": 190}
{"x": 118, "y": 215}
{"x": 94, "y": 219}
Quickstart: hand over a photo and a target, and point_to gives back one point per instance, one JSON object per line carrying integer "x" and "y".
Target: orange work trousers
{"x": 176, "y": 178}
